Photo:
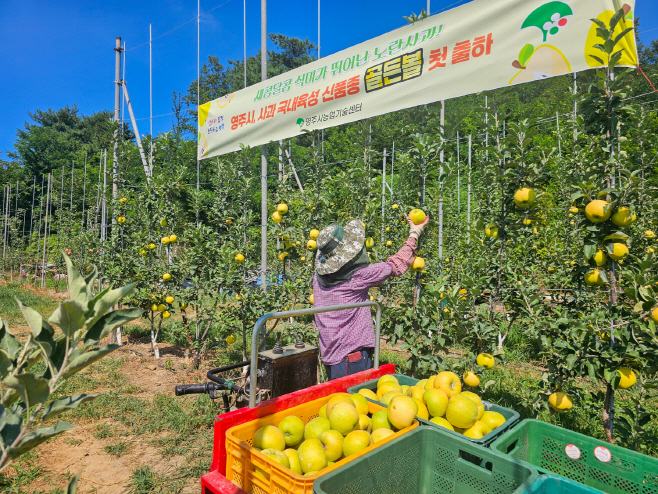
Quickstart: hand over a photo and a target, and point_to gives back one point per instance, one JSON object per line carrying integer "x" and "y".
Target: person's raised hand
{"x": 417, "y": 230}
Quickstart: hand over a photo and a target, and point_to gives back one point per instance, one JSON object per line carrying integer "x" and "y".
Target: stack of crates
{"x": 429, "y": 461}
{"x": 588, "y": 461}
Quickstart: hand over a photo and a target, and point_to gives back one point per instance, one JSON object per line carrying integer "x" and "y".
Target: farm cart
{"x": 215, "y": 482}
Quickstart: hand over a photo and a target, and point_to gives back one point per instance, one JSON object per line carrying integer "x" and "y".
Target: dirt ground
{"x": 80, "y": 449}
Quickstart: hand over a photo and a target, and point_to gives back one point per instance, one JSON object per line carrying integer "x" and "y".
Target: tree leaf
{"x": 109, "y": 322}
{"x": 589, "y": 250}
{"x": 77, "y": 284}
{"x": 69, "y": 316}
{"x": 33, "y": 439}
{"x": 8, "y": 341}
{"x": 107, "y": 299}
{"x": 88, "y": 358}
{"x": 63, "y": 404}
{"x": 571, "y": 360}
{"x": 33, "y": 389}
{"x": 12, "y": 423}
{"x": 616, "y": 236}
{"x": 72, "y": 488}
{"x": 6, "y": 364}
{"x": 91, "y": 278}
{"x": 57, "y": 355}
{"x": 35, "y": 321}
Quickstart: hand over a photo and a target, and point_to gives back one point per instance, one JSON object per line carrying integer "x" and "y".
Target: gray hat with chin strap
{"x": 337, "y": 246}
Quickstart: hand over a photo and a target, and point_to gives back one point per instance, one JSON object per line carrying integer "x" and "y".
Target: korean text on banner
{"x": 483, "y": 45}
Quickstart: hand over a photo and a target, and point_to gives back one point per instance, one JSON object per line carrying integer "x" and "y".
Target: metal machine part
{"x": 304, "y": 312}
{"x": 279, "y": 371}
{"x": 286, "y": 369}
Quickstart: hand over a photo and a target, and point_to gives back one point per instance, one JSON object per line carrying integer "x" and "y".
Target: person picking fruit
{"x": 343, "y": 276}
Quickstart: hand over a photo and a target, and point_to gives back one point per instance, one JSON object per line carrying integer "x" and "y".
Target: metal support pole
{"x": 198, "y": 93}
{"x": 280, "y": 160}
{"x": 5, "y": 206}
{"x": 294, "y": 171}
{"x": 36, "y": 247}
{"x": 72, "y": 172}
{"x": 486, "y": 125}
{"x": 45, "y": 234}
{"x": 150, "y": 99}
{"x": 103, "y": 201}
{"x": 98, "y": 189}
{"x": 392, "y": 166}
{"x": 34, "y": 190}
{"x": 318, "y": 29}
{"x": 575, "y": 105}
{"x": 244, "y": 31}
{"x": 147, "y": 170}
{"x": 263, "y": 156}
{"x": 8, "y": 208}
{"x": 383, "y": 191}
{"x": 459, "y": 210}
{"x": 260, "y": 327}
{"x": 84, "y": 193}
{"x": 559, "y": 143}
{"x": 443, "y": 105}
{"x": 117, "y": 108}
{"x": 468, "y": 200}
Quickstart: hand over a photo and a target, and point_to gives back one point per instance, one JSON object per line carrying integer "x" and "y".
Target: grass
{"x": 117, "y": 449}
{"x": 9, "y": 308}
{"x": 102, "y": 431}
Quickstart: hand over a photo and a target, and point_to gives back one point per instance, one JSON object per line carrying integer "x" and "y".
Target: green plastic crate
{"x": 614, "y": 469}
{"x": 429, "y": 461}
{"x": 554, "y": 484}
{"x": 511, "y": 417}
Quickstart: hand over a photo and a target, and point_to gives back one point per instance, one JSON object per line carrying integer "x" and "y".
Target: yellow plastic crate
{"x": 242, "y": 459}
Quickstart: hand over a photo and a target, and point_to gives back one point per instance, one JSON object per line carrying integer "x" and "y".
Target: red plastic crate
{"x": 215, "y": 482}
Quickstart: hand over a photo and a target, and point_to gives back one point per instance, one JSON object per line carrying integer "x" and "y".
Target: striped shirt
{"x": 343, "y": 332}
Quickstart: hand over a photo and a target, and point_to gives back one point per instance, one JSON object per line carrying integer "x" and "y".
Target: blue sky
{"x": 59, "y": 52}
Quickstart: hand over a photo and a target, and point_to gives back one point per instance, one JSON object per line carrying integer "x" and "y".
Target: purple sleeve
{"x": 372, "y": 275}
{"x": 404, "y": 258}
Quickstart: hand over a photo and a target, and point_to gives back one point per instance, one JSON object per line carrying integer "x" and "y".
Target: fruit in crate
{"x": 493, "y": 419}
{"x": 269, "y": 437}
{"x": 461, "y": 412}
{"x": 293, "y": 459}
{"x": 478, "y": 430}
{"x": 343, "y": 417}
{"x": 355, "y": 441}
{"x": 332, "y": 441}
{"x": 292, "y": 428}
{"x": 448, "y": 382}
{"x": 440, "y": 421}
{"x": 369, "y": 394}
{"x": 380, "y": 420}
{"x": 312, "y": 457}
{"x": 315, "y": 427}
{"x": 277, "y": 456}
{"x": 379, "y": 434}
{"x": 401, "y": 411}
{"x": 360, "y": 403}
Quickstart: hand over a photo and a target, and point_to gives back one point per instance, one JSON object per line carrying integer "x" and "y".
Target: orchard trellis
{"x": 495, "y": 272}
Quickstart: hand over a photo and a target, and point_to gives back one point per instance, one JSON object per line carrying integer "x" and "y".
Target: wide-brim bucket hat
{"x": 337, "y": 246}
